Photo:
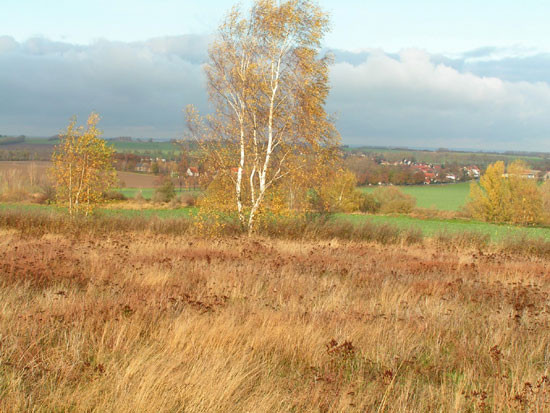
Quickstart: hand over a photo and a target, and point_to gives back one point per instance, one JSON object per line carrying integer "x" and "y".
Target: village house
{"x": 192, "y": 171}
{"x": 472, "y": 171}
{"x": 143, "y": 167}
{"x": 529, "y": 174}
{"x": 430, "y": 172}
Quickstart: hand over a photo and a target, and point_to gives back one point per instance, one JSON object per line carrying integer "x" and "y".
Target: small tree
{"x": 491, "y": 198}
{"x": 166, "y": 192}
{"x": 506, "y": 195}
{"x": 82, "y": 167}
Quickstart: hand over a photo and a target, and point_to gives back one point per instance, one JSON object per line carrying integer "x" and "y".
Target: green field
{"x": 448, "y": 197}
{"x": 148, "y": 192}
{"x": 139, "y": 147}
{"x": 149, "y": 212}
{"x": 429, "y": 227}
{"x": 156, "y": 147}
{"x": 449, "y": 157}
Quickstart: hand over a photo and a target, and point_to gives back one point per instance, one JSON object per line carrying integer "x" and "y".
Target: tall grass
{"x": 149, "y": 322}
{"x": 43, "y": 221}
{"x": 28, "y": 183}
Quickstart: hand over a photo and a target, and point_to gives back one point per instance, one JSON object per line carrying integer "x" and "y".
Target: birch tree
{"x": 268, "y": 85}
{"x": 82, "y": 167}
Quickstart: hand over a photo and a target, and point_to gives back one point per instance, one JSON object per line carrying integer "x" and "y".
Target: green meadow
{"x": 428, "y": 227}
{"x": 147, "y": 193}
{"x": 449, "y": 197}
{"x": 445, "y": 197}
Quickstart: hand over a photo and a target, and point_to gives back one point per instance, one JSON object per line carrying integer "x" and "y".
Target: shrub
{"x": 48, "y": 192}
{"x": 188, "y": 199}
{"x": 393, "y": 200}
{"x": 368, "y": 203}
{"x": 39, "y": 198}
{"x": 113, "y": 195}
{"x": 165, "y": 192}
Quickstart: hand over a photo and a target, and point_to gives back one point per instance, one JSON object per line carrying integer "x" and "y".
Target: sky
{"x": 466, "y": 74}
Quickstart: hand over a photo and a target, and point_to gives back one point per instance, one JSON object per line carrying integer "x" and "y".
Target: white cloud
{"x": 412, "y": 100}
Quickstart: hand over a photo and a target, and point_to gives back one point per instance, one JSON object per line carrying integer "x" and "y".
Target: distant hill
{"x": 9, "y": 140}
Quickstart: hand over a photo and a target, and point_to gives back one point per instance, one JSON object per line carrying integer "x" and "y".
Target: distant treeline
{"x": 8, "y": 140}
{"x": 535, "y": 160}
{"x": 24, "y": 155}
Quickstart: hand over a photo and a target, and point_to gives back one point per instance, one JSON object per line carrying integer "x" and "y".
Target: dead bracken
{"x": 241, "y": 324}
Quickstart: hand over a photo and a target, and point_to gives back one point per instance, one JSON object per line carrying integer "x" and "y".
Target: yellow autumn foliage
{"x": 82, "y": 167}
{"x": 268, "y": 84}
{"x": 505, "y": 195}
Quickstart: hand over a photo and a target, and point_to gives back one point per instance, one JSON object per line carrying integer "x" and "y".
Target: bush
{"x": 39, "y": 198}
{"x": 188, "y": 199}
{"x": 166, "y": 192}
{"x": 48, "y": 192}
{"x": 113, "y": 195}
{"x": 368, "y": 203}
{"x": 393, "y": 200}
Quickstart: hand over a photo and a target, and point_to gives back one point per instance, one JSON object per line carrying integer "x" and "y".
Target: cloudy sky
{"x": 464, "y": 74}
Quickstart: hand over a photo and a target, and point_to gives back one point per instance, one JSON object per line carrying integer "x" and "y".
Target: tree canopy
{"x": 268, "y": 84}
{"x": 82, "y": 167}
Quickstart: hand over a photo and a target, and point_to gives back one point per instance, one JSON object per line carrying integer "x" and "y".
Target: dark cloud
{"x": 139, "y": 89}
{"x": 481, "y": 99}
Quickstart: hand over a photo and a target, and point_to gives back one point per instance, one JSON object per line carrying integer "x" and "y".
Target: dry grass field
{"x": 40, "y": 168}
{"x": 161, "y": 323}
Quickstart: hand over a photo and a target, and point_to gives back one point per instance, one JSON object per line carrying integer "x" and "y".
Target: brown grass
{"x": 23, "y": 181}
{"x": 144, "y": 322}
{"x": 41, "y": 168}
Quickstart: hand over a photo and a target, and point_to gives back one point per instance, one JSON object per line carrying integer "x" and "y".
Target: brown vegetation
{"x": 134, "y": 322}
{"x": 25, "y": 181}
{"x": 127, "y": 179}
